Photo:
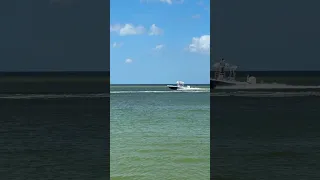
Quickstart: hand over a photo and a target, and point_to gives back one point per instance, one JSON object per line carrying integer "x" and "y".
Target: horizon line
{"x": 157, "y": 84}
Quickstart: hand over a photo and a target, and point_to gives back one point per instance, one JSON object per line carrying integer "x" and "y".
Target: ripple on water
{"x": 160, "y": 136}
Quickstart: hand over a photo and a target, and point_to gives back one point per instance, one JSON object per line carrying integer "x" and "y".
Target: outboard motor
{"x": 251, "y": 80}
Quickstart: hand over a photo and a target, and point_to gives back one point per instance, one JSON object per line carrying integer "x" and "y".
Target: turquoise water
{"x": 159, "y": 134}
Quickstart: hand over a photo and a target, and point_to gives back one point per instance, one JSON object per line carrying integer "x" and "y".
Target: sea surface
{"x": 54, "y": 131}
{"x": 158, "y": 134}
{"x": 265, "y": 135}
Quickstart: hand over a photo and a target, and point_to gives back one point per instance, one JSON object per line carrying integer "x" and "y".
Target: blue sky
{"x": 159, "y": 41}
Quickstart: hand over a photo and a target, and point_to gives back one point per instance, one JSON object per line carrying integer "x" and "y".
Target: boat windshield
{"x": 180, "y": 83}
{"x": 224, "y": 71}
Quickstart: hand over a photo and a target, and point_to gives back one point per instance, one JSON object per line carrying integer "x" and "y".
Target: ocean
{"x": 59, "y": 130}
{"x": 159, "y": 134}
{"x": 54, "y": 130}
{"x": 265, "y": 135}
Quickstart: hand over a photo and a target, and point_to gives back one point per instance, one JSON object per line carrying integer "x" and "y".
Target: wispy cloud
{"x": 117, "y": 44}
{"x": 158, "y": 47}
{"x": 206, "y": 7}
{"x": 128, "y": 61}
{"x": 154, "y": 30}
{"x": 127, "y": 29}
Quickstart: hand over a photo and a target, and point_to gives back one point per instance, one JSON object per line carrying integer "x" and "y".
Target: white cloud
{"x": 130, "y": 29}
{"x": 196, "y": 16}
{"x": 117, "y": 44}
{"x": 158, "y": 47}
{"x": 128, "y": 61}
{"x": 154, "y": 30}
{"x": 127, "y": 29}
{"x": 200, "y": 44}
{"x": 205, "y": 7}
{"x": 115, "y": 27}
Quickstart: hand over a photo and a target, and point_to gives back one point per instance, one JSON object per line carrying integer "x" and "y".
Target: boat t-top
{"x": 180, "y": 86}
{"x": 225, "y": 75}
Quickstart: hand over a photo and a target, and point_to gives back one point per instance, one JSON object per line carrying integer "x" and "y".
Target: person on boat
{"x": 222, "y": 65}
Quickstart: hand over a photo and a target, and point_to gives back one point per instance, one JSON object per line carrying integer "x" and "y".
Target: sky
{"x": 159, "y": 41}
{"x": 54, "y": 35}
{"x": 70, "y": 35}
{"x": 266, "y": 35}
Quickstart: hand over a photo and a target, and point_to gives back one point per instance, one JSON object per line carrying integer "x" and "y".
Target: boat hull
{"x": 173, "y": 87}
{"x": 177, "y": 88}
{"x": 214, "y": 83}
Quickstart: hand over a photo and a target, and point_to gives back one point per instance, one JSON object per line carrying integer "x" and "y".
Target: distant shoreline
{"x": 54, "y": 76}
{"x": 54, "y": 73}
{"x": 155, "y": 84}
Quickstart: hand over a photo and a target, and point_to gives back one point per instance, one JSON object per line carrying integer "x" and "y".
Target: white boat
{"x": 225, "y": 79}
{"x": 225, "y": 75}
{"x": 180, "y": 87}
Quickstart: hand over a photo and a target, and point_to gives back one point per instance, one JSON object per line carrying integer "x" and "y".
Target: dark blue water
{"x": 56, "y": 135}
{"x": 265, "y": 138}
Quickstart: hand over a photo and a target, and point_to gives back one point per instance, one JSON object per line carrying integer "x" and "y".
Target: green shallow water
{"x": 159, "y": 134}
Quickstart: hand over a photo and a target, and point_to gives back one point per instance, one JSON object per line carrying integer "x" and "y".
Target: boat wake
{"x": 215, "y": 94}
{"x": 87, "y": 96}
{"x": 52, "y": 96}
{"x": 266, "y": 94}
{"x": 267, "y": 87}
{"x": 200, "y": 90}
{"x": 267, "y": 90}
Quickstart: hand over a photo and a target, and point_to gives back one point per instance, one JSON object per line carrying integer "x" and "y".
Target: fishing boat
{"x": 225, "y": 79}
{"x": 225, "y": 75}
{"x": 180, "y": 87}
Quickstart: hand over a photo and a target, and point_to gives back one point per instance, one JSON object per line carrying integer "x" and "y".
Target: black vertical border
{"x": 100, "y": 24}
{"x": 303, "y": 122}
